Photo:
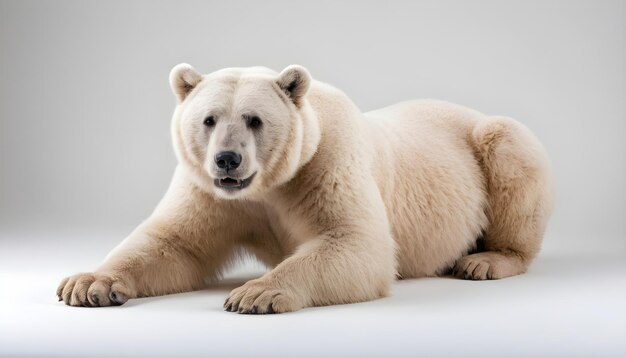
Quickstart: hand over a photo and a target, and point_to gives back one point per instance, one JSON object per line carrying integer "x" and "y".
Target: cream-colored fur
{"x": 340, "y": 202}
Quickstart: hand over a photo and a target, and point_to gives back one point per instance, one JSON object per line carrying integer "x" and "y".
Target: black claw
{"x": 60, "y": 298}
{"x": 117, "y": 298}
{"x": 270, "y": 309}
{"x": 253, "y": 310}
{"x": 95, "y": 299}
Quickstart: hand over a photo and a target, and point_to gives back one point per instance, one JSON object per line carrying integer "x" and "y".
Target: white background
{"x": 85, "y": 155}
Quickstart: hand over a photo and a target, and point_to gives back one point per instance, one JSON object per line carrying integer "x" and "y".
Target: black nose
{"x": 227, "y": 160}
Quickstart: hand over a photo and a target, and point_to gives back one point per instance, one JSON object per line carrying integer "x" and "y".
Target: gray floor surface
{"x": 571, "y": 303}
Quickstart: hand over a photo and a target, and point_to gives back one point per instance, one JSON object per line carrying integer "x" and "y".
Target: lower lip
{"x": 241, "y": 185}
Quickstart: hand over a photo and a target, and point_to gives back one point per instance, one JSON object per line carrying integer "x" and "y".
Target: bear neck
{"x": 311, "y": 134}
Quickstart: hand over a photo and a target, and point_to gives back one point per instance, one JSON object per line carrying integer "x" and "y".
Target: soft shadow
{"x": 222, "y": 287}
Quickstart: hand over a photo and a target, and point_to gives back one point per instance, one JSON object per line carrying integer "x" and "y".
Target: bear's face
{"x": 241, "y": 131}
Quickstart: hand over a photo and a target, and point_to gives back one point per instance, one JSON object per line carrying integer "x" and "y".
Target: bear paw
{"x": 489, "y": 265}
{"x": 260, "y": 296}
{"x": 92, "y": 290}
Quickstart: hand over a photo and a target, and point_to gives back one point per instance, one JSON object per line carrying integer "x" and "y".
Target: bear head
{"x": 242, "y": 132}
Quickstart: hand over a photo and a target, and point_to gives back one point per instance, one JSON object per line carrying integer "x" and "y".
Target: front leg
{"x": 331, "y": 269}
{"x": 352, "y": 260}
{"x": 187, "y": 239}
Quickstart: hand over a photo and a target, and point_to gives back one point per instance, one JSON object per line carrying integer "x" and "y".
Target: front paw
{"x": 261, "y": 296}
{"x": 93, "y": 290}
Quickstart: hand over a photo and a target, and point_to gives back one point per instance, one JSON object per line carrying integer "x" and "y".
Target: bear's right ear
{"x": 183, "y": 79}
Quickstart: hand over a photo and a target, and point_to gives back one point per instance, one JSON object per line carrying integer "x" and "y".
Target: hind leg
{"x": 519, "y": 197}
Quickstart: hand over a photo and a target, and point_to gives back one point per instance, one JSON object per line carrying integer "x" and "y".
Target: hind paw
{"x": 487, "y": 266}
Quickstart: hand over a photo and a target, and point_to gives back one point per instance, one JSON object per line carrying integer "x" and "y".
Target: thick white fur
{"x": 342, "y": 202}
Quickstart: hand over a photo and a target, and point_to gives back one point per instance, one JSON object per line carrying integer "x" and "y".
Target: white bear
{"x": 338, "y": 202}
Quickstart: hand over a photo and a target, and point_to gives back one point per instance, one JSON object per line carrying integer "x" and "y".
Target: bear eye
{"x": 209, "y": 121}
{"x": 254, "y": 122}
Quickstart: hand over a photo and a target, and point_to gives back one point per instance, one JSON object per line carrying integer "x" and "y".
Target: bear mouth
{"x": 233, "y": 184}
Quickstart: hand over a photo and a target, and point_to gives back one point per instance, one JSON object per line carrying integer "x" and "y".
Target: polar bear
{"x": 337, "y": 202}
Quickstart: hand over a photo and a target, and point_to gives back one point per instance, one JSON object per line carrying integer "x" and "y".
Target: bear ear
{"x": 183, "y": 79}
{"x": 294, "y": 81}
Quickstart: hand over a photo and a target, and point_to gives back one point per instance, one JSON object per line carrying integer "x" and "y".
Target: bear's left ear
{"x": 294, "y": 81}
{"x": 183, "y": 79}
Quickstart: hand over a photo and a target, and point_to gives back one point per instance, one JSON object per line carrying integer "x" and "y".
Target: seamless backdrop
{"x": 85, "y": 105}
